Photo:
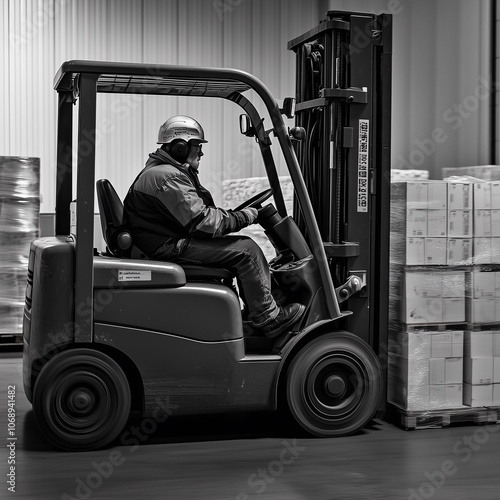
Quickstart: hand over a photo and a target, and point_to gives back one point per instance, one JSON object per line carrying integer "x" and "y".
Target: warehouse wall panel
{"x": 441, "y": 63}
{"x": 436, "y": 72}
{"x": 38, "y": 35}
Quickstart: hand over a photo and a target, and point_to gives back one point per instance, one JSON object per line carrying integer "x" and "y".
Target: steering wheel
{"x": 255, "y": 201}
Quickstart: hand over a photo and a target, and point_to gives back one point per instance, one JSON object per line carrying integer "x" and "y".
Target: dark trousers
{"x": 239, "y": 254}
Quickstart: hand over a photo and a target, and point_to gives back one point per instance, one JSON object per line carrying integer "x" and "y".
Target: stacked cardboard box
{"x": 426, "y": 370}
{"x": 19, "y": 225}
{"x": 484, "y": 172}
{"x": 445, "y": 242}
{"x": 479, "y": 364}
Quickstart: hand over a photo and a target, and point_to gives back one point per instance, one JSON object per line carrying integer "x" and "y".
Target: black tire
{"x": 81, "y": 400}
{"x": 334, "y": 385}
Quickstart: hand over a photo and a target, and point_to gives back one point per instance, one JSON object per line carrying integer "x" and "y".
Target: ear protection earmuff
{"x": 179, "y": 150}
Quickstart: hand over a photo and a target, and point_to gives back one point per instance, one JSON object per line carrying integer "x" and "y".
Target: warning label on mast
{"x": 363, "y": 146}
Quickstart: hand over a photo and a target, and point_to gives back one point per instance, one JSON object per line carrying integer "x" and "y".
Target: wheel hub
{"x": 81, "y": 401}
{"x": 335, "y": 385}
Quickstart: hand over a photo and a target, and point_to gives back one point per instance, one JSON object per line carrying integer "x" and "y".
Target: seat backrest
{"x": 117, "y": 237}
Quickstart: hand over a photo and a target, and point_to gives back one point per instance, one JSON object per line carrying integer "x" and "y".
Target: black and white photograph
{"x": 250, "y": 249}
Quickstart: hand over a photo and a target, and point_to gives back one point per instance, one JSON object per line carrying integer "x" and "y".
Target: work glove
{"x": 250, "y": 214}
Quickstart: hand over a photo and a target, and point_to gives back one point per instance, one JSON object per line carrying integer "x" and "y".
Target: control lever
{"x": 353, "y": 285}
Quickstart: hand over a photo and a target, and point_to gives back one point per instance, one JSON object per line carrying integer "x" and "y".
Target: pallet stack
{"x": 445, "y": 297}
{"x": 19, "y": 225}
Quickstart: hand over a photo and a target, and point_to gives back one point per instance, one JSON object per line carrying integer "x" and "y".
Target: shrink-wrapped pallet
{"x": 19, "y": 225}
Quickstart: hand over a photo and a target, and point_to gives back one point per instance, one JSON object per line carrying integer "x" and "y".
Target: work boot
{"x": 287, "y": 316}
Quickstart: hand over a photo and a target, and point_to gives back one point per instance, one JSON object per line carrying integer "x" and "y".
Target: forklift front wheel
{"x": 81, "y": 400}
{"x": 334, "y": 385}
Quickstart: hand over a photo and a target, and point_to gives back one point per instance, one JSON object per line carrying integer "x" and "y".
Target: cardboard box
{"x": 422, "y": 284}
{"x": 497, "y": 283}
{"x": 478, "y": 371}
{"x": 495, "y": 250}
{"x": 457, "y": 344}
{"x": 483, "y": 284}
{"x": 496, "y": 370}
{"x": 416, "y": 222}
{"x": 413, "y": 345}
{"x": 437, "y": 195}
{"x": 418, "y": 310}
{"x": 445, "y": 396}
{"x": 454, "y": 395}
{"x": 480, "y": 311}
{"x": 408, "y": 382}
{"x": 454, "y": 310}
{"x": 437, "y": 223}
{"x": 418, "y": 346}
{"x": 495, "y": 195}
{"x": 459, "y": 195}
{"x": 441, "y": 345}
{"x": 435, "y": 251}
{"x": 454, "y": 283}
{"x": 478, "y": 395}
{"x": 453, "y": 370}
{"x": 459, "y": 223}
{"x": 437, "y": 371}
{"x": 415, "y": 252}
{"x": 478, "y": 344}
{"x": 482, "y": 251}
{"x": 482, "y": 223}
{"x": 410, "y": 194}
{"x": 496, "y": 395}
{"x": 496, "y": 343}
{"x": 482, "y": 195}
{"x": 459, "y": 252}
{"x": 495, "y": 222}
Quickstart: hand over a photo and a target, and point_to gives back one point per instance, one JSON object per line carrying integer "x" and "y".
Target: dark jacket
{"x": 166, "y": 203}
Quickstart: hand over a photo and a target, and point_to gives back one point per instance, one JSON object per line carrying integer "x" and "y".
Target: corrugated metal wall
{"x": 440, "y": 66}
{"x": 441, "y": 80}
{"x": 37, "y": 36}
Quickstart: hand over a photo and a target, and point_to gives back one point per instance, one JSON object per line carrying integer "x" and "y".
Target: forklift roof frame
{"x": 80, "y": 80}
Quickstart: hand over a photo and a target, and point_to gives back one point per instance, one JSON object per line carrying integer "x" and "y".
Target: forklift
{"x": 110, "y": 332}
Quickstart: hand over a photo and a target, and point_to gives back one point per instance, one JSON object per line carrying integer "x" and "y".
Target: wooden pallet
{"x": 436, "y": 327}
{"x": 494, "y": 414}
{"x": 428, "y": 419}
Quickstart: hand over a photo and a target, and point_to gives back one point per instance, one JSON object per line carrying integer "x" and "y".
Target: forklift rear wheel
{"x": 334, "y": 385}
{"x": 81, "y": 400}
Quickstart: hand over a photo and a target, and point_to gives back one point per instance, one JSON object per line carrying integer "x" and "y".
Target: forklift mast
{"x": 343, "y": 95}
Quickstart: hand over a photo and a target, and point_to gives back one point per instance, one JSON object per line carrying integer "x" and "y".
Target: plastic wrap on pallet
{"x": 398, "y": 175}
{"x": 408, "y": 371}
{"x": 12, "y": 285}
{"x": 425, "y": 369}
{"x": 431, "y": 296}
{"x": 15, "y": 247}
{"x": 484, "y": 172}
{"x": 19, "y": 177}
{"x": 19, "y": 226}
{"x": 12, "y": 320}
{"x": 18, "y": 215}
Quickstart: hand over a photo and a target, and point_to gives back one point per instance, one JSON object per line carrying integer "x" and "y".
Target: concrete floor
{"x": 251, "y": 457}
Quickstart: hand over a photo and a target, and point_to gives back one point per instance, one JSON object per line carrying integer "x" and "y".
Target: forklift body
{"x": 110, "y": 332}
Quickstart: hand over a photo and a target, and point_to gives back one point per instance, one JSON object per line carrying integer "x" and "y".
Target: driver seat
{"x": 119, "y": 241}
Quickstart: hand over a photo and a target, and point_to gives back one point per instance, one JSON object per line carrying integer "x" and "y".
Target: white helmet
{"x": 181, "y": 127}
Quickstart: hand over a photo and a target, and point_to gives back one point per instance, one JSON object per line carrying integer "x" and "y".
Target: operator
{"x": 173, "y": 217}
